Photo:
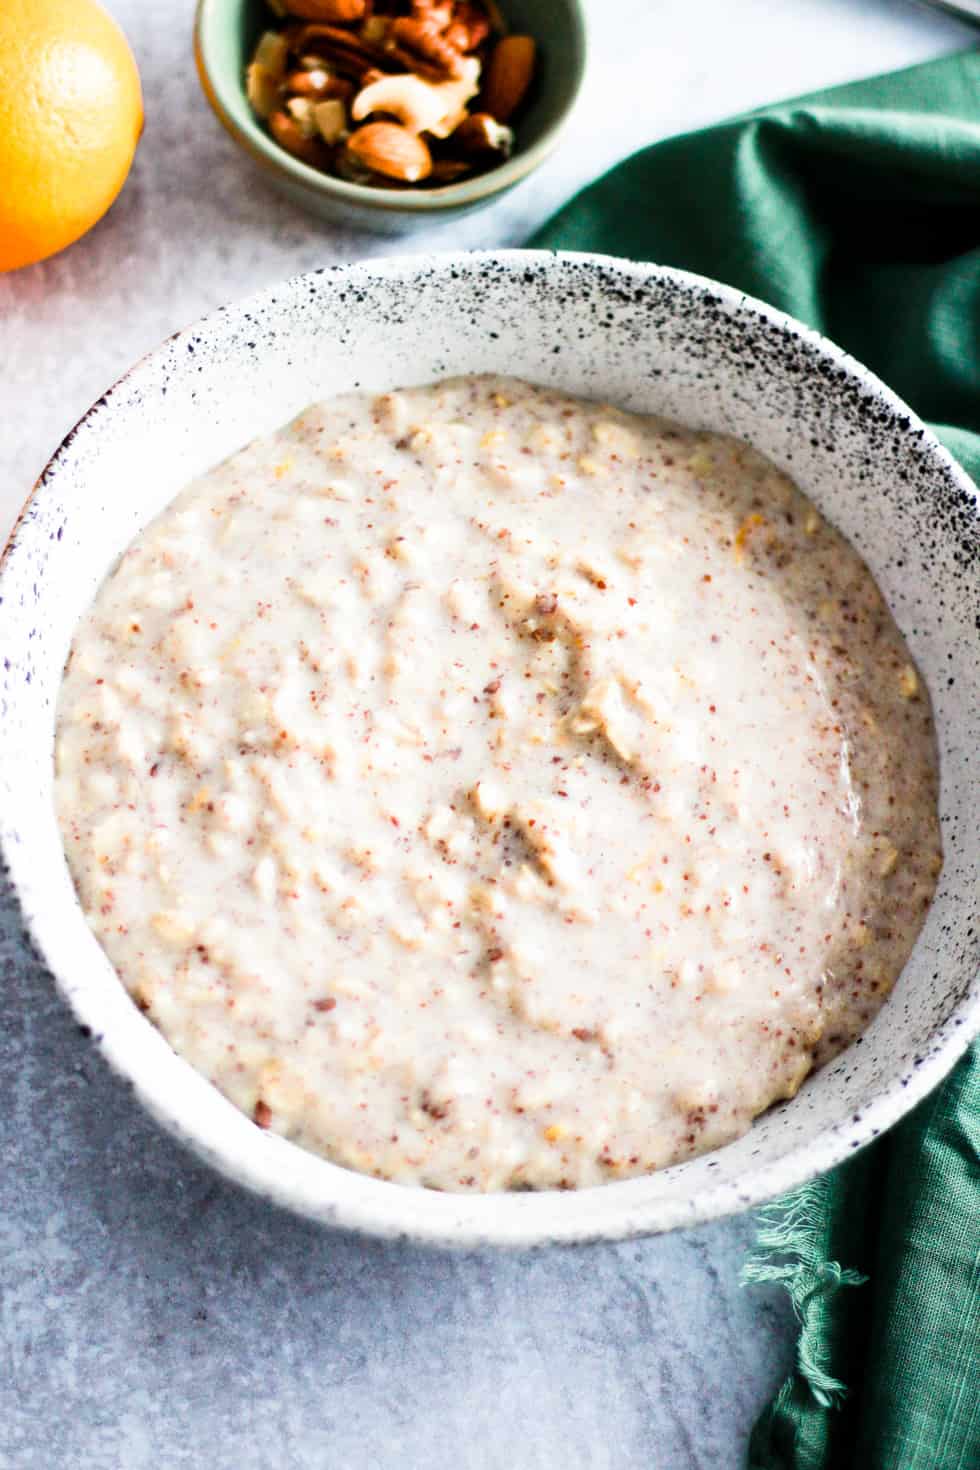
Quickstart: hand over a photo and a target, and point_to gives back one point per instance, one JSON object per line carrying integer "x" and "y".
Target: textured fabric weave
{"x": 858, "y": 211}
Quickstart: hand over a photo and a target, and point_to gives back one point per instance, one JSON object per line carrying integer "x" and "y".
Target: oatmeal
{"x": 489, "y": 789}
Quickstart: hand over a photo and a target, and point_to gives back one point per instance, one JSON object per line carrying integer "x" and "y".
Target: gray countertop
{"x": 155, "y": 1317}
{"x": 152, "y": 1315}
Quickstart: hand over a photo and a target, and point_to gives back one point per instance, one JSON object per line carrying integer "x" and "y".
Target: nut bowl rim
{"x": 219, "y": 89}
{"x": 180, "y": 1098}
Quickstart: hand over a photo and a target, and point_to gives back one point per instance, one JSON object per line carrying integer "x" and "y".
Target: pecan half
{"x": 508, "y": 76}
{"x": 424, "y": 39}
{"x": 344, "y": 50}
{"x": 463, "y": 24}
{"x": 469, "y": 27}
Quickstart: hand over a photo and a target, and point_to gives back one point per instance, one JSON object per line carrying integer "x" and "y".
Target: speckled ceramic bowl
{"x": 224, "y": 39}
{"x": 645, "y": 338}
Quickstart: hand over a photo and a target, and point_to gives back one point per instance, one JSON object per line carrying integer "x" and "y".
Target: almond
{"x": 313, "y": 82}
{"x": 392, "y": 151}
{"x": 509, "y": 74}
{"x": 332, "y": 11}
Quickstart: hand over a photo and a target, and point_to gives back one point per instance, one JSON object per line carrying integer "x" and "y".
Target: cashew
{"x": 331, "y": 119}
{"x": 271, "y": 53}
{"x": 300, "y": 110}
{"x": 421, "y": 107}
{"x": 262, "y": 90}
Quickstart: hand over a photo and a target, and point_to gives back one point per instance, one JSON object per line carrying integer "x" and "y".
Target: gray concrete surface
{"x": 154, "y": 1317}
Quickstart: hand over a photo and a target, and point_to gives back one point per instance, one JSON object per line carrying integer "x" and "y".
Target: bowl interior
{"x": 229, "y": 29}
{"x": 646, "y": 338}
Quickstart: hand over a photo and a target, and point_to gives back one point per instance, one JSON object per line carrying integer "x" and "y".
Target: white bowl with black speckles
{"x": 643, "y": 337}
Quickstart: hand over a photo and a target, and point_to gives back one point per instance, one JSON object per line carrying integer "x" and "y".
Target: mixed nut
{"x": 391, "y": 93}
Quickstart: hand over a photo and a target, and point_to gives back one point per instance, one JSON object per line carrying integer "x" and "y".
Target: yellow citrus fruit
{"x": 71, "y": 113}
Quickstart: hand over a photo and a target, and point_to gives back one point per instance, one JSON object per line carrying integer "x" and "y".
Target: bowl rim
{"x": 261, "y": 1161}
{"x": 266, "y": 152}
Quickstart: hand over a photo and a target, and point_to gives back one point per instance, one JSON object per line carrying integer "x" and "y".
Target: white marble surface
{"x": 152, "y": 1316}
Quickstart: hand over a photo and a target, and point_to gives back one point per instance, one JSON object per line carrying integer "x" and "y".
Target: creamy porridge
{"x": 489, "y": 789}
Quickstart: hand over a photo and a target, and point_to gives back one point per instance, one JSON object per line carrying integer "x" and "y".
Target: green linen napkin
{"x": 857, "y": 210}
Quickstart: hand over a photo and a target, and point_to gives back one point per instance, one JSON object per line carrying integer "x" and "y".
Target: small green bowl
{"x": 225, "y": 35}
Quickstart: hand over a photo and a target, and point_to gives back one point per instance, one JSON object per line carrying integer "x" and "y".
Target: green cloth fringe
{"x": 790, "y": 1253}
